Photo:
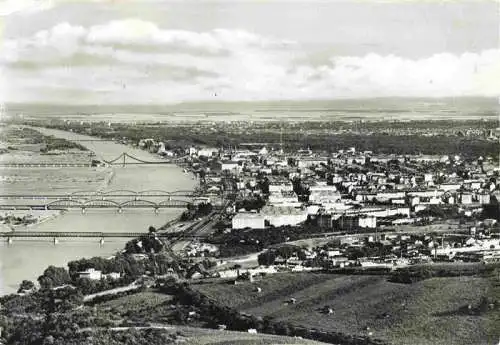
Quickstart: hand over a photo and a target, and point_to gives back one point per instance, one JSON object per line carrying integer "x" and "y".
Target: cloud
{"x": 135, "y": 61}
{"x": 8, "y": 7}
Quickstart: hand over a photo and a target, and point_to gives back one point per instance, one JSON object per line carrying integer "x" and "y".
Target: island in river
{"x": 25, "y": 258}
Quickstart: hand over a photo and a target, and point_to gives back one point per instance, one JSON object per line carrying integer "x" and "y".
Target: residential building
{"x": 91, "y": 274}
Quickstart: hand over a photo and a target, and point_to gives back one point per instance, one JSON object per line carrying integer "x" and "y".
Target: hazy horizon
{"x": 346, "y": 110}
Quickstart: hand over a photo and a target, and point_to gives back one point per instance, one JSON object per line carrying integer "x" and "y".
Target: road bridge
{"x": 93, "y": 140}
{"x": 68, "y": 204}
{"x": 92, "y": 194}
{"x": 45, "y": 165}
{"x": 64, "y": 204}
{"x": 127, "y": 159}
{"x": 122, "y": 160}
{"x": 62, "y": 234}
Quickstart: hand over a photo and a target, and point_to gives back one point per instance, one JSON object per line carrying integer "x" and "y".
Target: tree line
{"x": 214, "y": 314}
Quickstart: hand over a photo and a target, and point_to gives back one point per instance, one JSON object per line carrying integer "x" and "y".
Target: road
{"x": 441, "y": 228}
{"x": 133, "y": 286}
{"x": 126, "y": 328}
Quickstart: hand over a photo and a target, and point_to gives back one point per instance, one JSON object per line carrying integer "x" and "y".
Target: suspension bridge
{"x": 127, "y": 159}
{"x": 122, "y": 160}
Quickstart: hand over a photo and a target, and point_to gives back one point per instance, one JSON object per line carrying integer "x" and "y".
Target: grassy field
{"x": 199, "y": 336}
{"x": 144, "y": 302}
{"x": 136, "y": 303}
{"x": 427, "y": 312}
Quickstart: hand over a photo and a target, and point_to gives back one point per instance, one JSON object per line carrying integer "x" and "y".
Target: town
{"x": 267, "y": 214}
{"x": 412, "y": 208}
{"x": 249, "y": 172}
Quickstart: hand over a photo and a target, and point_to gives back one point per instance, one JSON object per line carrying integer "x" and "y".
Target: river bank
{"x": 27, "y": 218}
{"x": 25, "y": 259}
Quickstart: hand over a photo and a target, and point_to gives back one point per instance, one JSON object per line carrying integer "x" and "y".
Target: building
{"x": 308, "y": 162}
{"x": 91, "y": 274}
{"x": 389, "y": 195}
{"x": 466, "y": 198}
{"x": 483, "y": 198}
{"x": 450, "y": 186}
{"x": 283, "y": 215}
{"x": 357, "y": 221}
{"x": 113, "y": 275}
{"x": 250, "y": 220}
{"x": 323, "y": 194}
{"x": 202, "y": 200}
{"x": 280, "y": 186}
{"x": 284, "y": 198}
{"x": 207, "y": 152}
{"x": 230, "y": 166}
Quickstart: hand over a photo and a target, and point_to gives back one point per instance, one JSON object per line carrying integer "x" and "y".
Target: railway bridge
{"x": 90, "y": 234}
{"x": 56, "y": 236}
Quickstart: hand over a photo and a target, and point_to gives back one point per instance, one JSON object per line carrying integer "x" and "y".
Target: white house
{"x": 311, "y": 161}
{"x": 279, "y": 187}
{"x": 230, "y": 166}
{"x": 207, "y": 152}
{"x": 91, "y": 274}
{"x": 321, "y": 194}
{"x": 367, "y": 222}
{"x": 465, "y": 198}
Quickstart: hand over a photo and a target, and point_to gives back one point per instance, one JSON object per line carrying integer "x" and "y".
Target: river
{"x": 26, "y": 259}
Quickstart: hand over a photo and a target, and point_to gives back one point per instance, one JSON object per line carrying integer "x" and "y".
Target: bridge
{"x": 64, "y": 204}
{"x": 118, "y": 199}
{"x": 127, "y": 159}
{"x": 123, "y": 160}
{"x": 45, "y": 165}
{"x": 101, "y": 235}
{"x": 93, "y": 140}
{"x": 91, "y": 194}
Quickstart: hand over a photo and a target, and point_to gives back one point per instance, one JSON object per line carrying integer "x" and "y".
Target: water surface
{"x": 27, "y": 258}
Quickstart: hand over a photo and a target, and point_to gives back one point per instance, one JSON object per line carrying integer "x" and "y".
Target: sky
{"x": 157, "y": 51}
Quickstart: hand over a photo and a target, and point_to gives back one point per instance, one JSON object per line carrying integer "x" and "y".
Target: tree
{"x": 26, "y": 285}
{"x": 54, "y": 276}
{"x": 267, "y": 258}
{"x": 264, "y": 185}
{"x": 131, "y": 247}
